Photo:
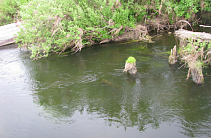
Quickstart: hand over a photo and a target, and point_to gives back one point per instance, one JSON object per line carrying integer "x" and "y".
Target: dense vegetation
{"x": 54, "y": 25}
{"x": 9, "y": 10}
{"x": 196, "y": 54}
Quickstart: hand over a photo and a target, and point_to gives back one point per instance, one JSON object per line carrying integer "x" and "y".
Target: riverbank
{"x": 54, "y": 27}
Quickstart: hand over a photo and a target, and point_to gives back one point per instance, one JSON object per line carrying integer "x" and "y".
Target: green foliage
{"x": 53, "y": 25}
{"x": 136, "y": 9}
{"x": 131, "y": 60}
{"x": 196, "y": 54}
{"x": 197, "y": 51}
{"x": 187, "y": 8}
{"x": 9, "y": 10}
{"x": 207, "y": 5}
{"x": 173, "y": 8}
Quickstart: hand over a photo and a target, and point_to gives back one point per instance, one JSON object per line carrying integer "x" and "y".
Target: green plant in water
{"x": 131, "y": 60}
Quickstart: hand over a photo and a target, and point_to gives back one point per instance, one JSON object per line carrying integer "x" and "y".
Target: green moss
{"x": 131, "y": 60}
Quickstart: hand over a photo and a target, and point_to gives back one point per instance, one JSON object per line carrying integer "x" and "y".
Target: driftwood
{"x": 8, "y": 32}
{"x": 204, "y": 26}
{"x": 192, "y": 59}
{"x": 173, "y": 55}
{"x": 185, "y": 34}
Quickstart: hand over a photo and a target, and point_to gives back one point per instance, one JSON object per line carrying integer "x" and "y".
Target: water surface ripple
{"x": 86, "y": 95}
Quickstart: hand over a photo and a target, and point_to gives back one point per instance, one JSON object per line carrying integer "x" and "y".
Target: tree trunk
{"x": 173, "y": 56}
{"x": 8, "y": 33}
{"x": 197, "y": 75}
{"x": 130, "y": 68}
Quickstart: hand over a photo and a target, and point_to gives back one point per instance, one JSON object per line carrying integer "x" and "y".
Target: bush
{"x": 185, "y": 9}
{"x": 206, "y": 5}
{"x": 54, "y": 25}
{"x": 9, "y": 10}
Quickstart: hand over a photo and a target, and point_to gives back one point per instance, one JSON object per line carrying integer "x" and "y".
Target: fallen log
{"x": 185, "y": 34}
{"x": 8, "y": 32}
{"x": 192, "y": 45}
{"x": 204, "y": 26}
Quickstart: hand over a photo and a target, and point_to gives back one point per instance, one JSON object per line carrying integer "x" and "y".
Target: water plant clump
{"x": 131, "y": 60}
{"x": 130, "y": 66}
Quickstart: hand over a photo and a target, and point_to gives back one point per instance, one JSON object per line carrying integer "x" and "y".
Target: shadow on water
{"x": 91, "y": 83}
{"x": 157, "y": 94}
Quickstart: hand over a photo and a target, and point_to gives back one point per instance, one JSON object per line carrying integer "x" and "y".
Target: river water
{"x": 86, "y": 95}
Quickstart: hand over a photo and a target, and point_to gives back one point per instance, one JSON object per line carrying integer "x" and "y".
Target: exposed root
{"x": 77, "y": 43}
{"x": 140, "y": 32}
{"x": 159, "y": 23}
{"x": 188, "y": 74}
{"x": 57, "y": 23}
{"x": 182, "y": 25}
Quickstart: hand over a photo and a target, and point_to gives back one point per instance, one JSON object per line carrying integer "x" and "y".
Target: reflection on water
{"x": 87, "y": 95}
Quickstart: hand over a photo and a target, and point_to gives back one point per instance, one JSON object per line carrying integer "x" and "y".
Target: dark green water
{"x": 86, "y": 95}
